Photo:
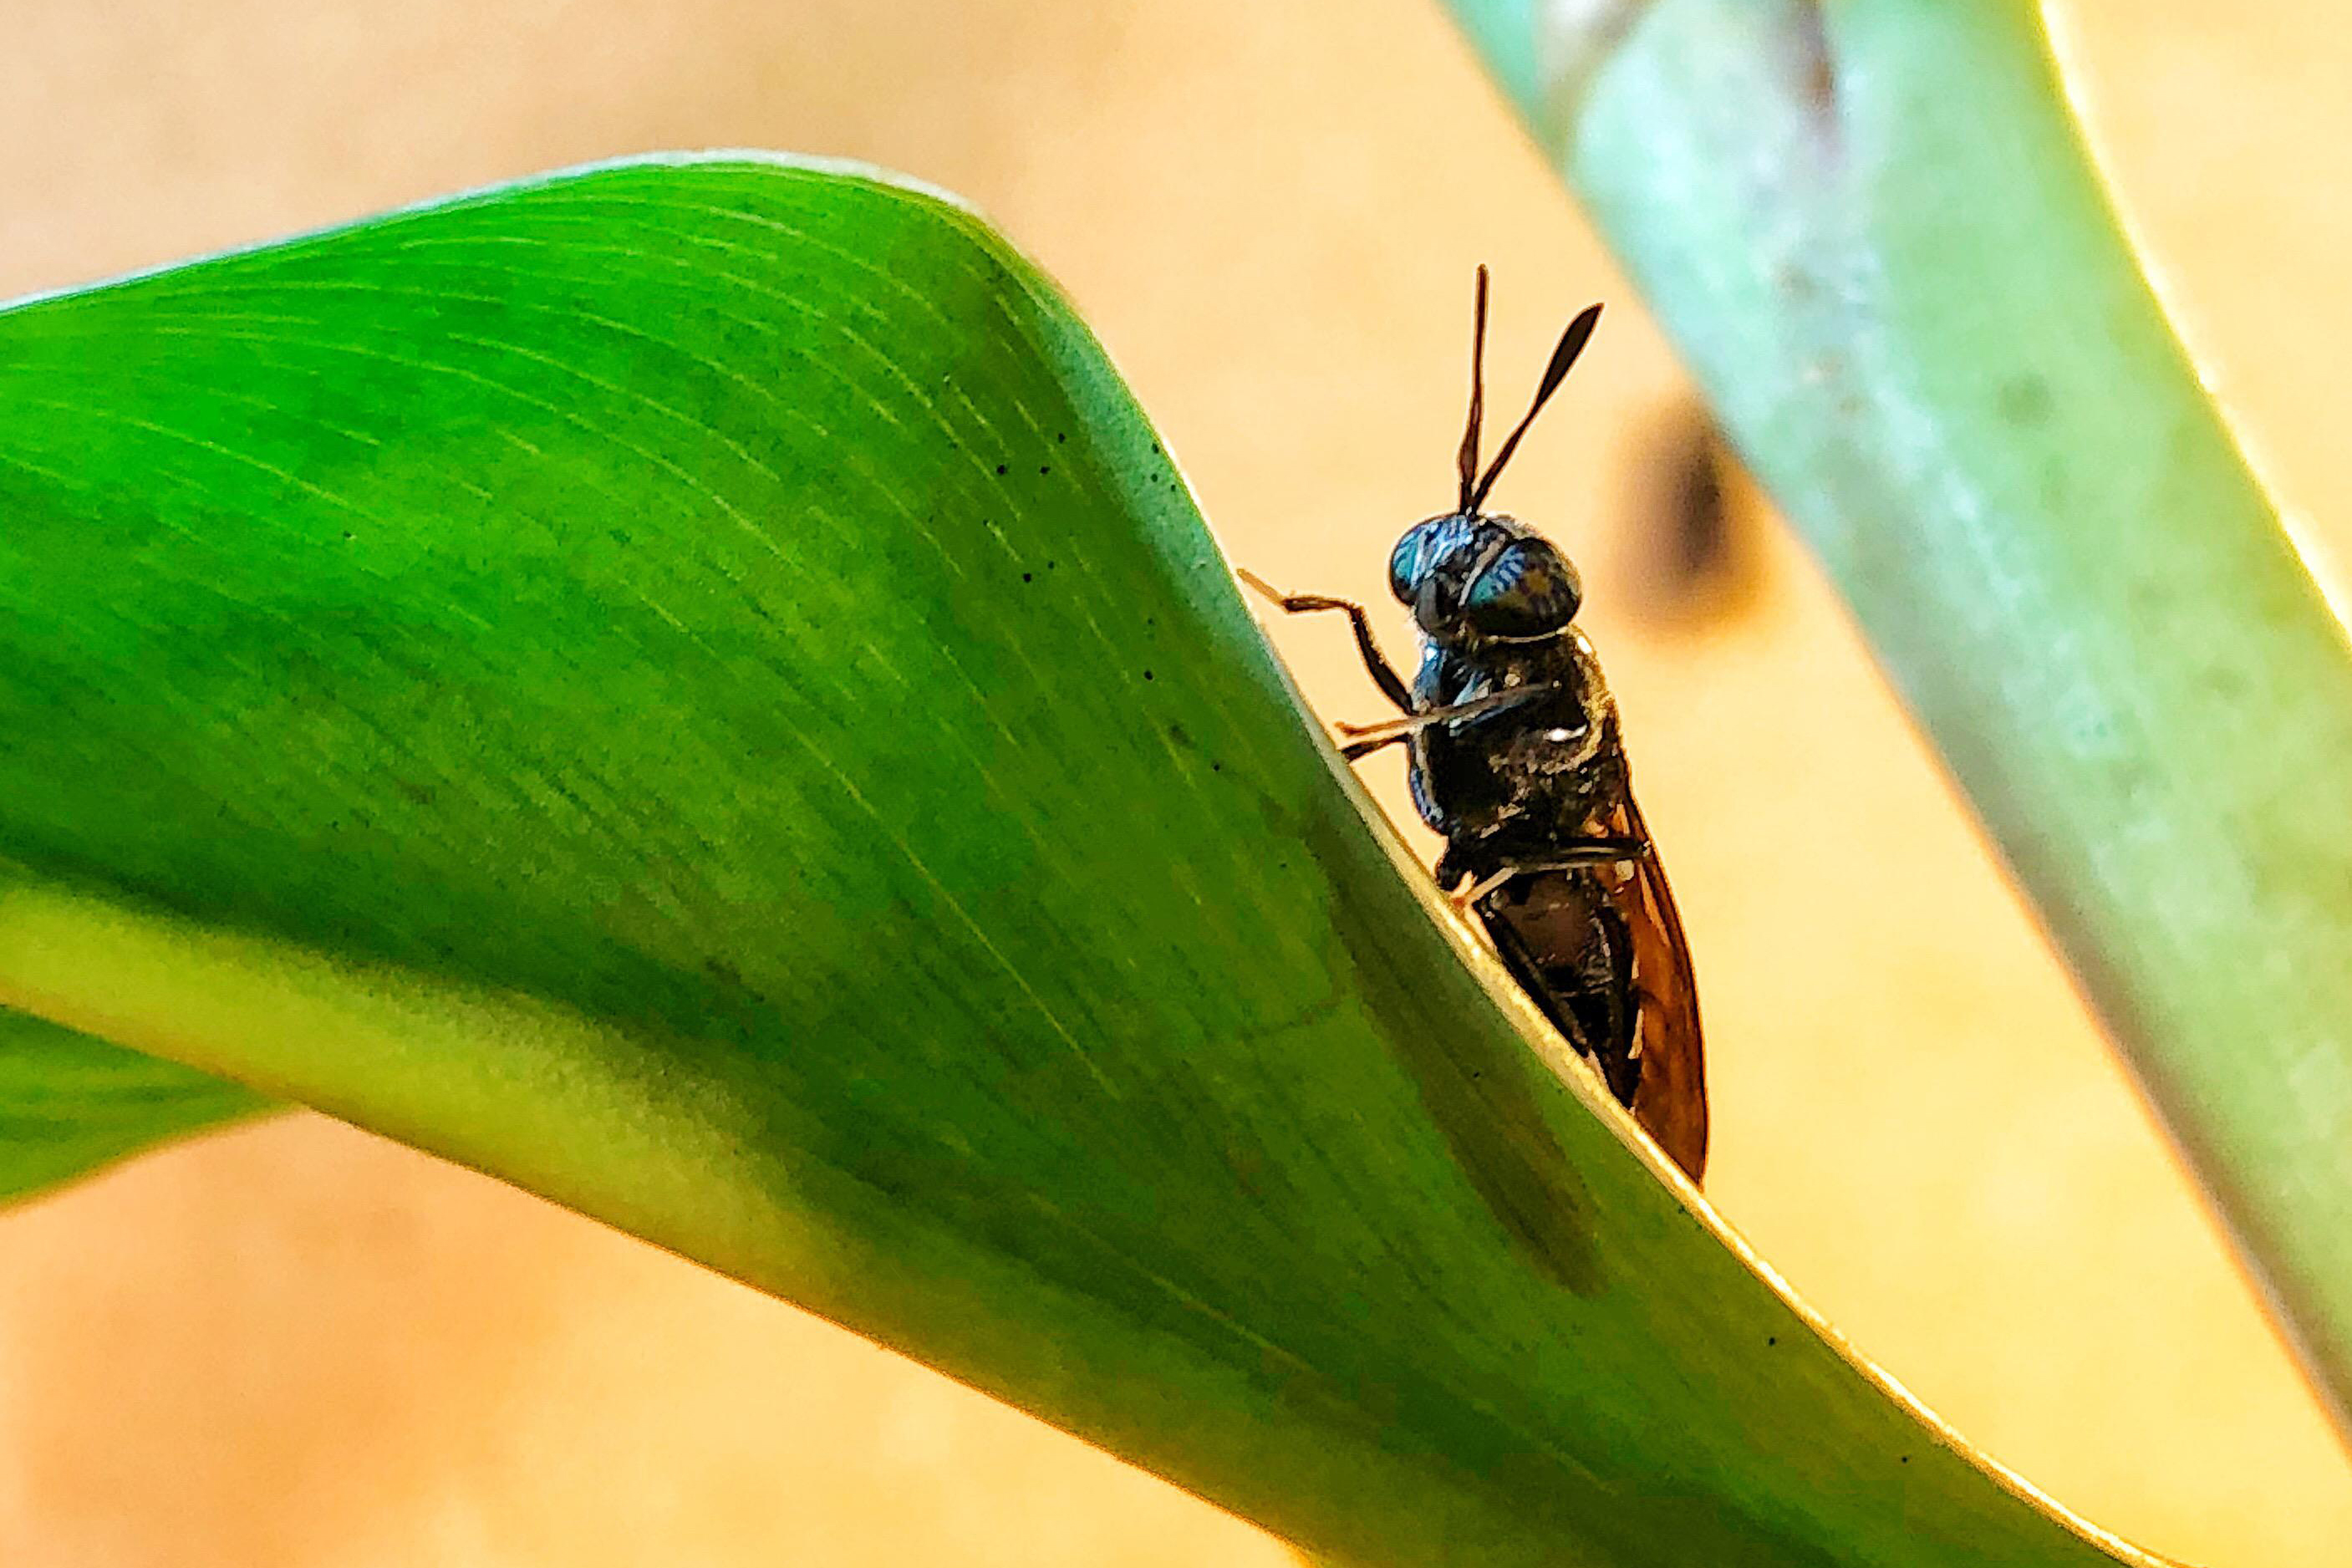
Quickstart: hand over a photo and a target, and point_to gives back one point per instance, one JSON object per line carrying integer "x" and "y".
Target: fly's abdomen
{"x": 1565, "y": 941}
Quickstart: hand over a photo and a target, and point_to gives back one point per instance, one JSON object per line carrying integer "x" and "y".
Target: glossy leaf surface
{"x": 690, "y": 686}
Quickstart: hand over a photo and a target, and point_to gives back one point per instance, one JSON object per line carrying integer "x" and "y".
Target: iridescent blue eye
{"x": 1528, "y": 591}
{"x": 1409, "y": 562}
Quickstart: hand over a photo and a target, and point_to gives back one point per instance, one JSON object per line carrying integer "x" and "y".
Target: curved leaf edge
{"x": 251, "y": 1008}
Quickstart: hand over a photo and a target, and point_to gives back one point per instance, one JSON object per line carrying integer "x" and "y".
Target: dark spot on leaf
{"x": 1812, "y": 70}
{"x": 1771, "y": 1339}
{"x": 1821, "y": 69}
{"x": 1147, "y": 675}
{"x": 1026, "y": 577}
{"x": 2024, "y": 400}
{"x": 1043, "y": 470}
{"x": 1059, "y": 437}
{"x": 1000, "y": 468}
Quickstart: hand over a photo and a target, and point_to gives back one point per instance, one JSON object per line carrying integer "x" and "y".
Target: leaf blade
{"x": 727, "y": 718}
{"x": 70, "y": 1105}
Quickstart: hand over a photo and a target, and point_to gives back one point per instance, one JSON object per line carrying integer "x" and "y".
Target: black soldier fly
{"x": 1516, "y": 759}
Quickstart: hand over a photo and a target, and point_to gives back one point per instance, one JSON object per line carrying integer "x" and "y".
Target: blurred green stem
{"x": 1874, "y": 231}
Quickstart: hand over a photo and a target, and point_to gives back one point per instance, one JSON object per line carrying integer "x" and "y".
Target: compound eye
{"x": 1412, "y": 559}
{"x": 1528, "y": 591}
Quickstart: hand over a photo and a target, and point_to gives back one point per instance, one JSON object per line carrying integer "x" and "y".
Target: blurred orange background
{"x": 297, "y": 1344}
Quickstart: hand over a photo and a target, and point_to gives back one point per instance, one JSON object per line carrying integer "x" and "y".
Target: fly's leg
{"x": 1376, "y": 663}
{"x": 1577, "y": 854}
{"x": 1365, "y": 739}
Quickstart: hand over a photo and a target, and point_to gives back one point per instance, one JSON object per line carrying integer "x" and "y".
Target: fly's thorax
{"x": 1513, "y": 779}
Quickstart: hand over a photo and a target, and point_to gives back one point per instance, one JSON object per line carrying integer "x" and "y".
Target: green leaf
{"x": 70, "y": 1104}
{"x": 691, "y": 688}
{"x": 1874, "y": 232}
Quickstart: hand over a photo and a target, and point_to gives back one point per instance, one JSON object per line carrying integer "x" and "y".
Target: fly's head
{"x": 1471, "y": 579}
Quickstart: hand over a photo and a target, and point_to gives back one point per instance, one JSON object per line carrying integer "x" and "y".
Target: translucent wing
{"x": 1671, "y": 1100}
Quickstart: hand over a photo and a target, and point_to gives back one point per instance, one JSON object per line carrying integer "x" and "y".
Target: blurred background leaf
{"x": 1875, "y": 234}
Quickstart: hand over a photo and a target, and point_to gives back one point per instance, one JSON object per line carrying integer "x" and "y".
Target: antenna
{"x": 1572, "y": 343}
{"x": 1468, "y": 462}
